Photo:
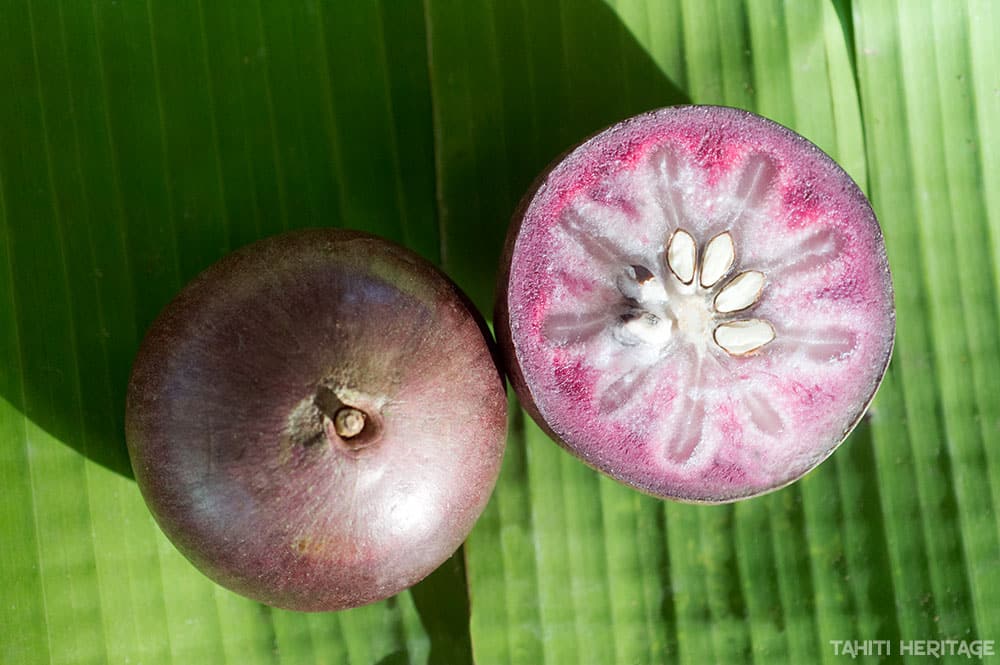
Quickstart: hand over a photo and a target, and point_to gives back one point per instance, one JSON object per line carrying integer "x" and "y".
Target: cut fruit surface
{"x": 697, "y": 302}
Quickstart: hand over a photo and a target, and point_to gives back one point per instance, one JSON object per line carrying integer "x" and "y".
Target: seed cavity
{"x": 741, "y": 292}
{"x": 740, "y": 338}
{"x": 706, "y": 313}
{"x": 720, "y": 254}
{"x": 644, "y": 328}
{"x": 652, "y": 291}
{"x": 642, "y": 274}
{"x": 682, "y": 255}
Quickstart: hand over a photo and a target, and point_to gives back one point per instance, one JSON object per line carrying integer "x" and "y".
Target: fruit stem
{"x": 343, "y": 423}
{"x": 349, "y": 422}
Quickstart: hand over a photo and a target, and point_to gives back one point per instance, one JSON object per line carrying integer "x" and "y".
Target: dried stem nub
{"x": 349, "y": 422}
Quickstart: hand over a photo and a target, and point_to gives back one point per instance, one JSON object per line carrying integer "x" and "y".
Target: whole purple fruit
{"x": 316, "y": 421}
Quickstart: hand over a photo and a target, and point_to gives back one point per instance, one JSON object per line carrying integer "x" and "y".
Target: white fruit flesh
{"x": 699, "y": 304}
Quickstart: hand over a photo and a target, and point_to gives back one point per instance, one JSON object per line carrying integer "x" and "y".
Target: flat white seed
{"x": 741, "y": 292}
{"x": 681, "y": 255}
{"x": 718, "y": 259}
{"x": 739, "y": 338}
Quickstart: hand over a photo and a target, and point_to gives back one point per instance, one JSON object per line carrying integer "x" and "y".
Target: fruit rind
{"x": 228, "y": 446}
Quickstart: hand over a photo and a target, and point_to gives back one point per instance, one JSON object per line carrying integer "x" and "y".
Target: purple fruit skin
{"x": 581, "y": 166}
{"x": 241, "y": 476}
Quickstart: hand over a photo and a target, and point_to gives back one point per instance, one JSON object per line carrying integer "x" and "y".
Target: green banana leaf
{"x": 141, "y": 140}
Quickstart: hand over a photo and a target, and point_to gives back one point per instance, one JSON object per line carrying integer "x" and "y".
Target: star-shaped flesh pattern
{"x": 697, "y": 303}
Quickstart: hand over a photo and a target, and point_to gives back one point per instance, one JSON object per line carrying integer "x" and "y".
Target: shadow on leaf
{"x": 164, "y": 153}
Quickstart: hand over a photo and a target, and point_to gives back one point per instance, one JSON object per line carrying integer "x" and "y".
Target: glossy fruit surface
{"x": 697, "y": 302}
{"x": 317, "y": 421}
